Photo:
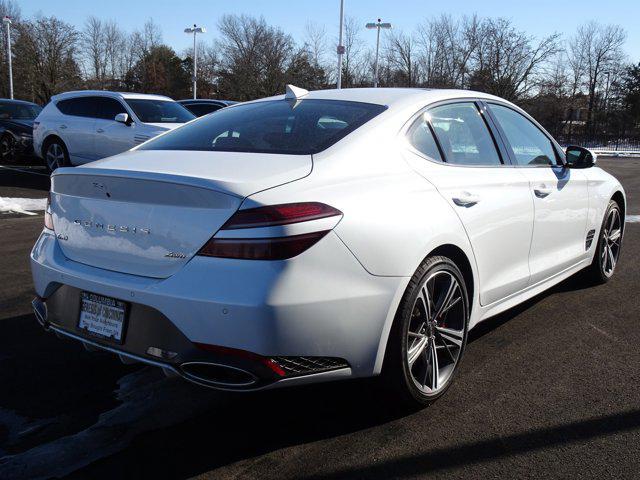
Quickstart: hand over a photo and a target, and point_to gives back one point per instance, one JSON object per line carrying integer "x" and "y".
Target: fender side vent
{"x": 589, "y": 241}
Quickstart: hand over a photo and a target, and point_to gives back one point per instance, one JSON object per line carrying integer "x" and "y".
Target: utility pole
{"x": 340, "y": 48}
{"x": 378, "y": 25}
{"x": 195, "y": 30}
{"x": 7, "y": 21}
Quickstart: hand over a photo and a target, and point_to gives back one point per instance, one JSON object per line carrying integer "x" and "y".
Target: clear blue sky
{"x": 539, "y": 17}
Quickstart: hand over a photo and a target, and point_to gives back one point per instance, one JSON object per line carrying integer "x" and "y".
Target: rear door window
{"x": 463, "y": 135}
{"x": 79, "y": 106}
{"x": 276, "y": 126}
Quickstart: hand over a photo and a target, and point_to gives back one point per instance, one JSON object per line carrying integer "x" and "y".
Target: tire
{"x": 607, "y": 254}
{"x": 7, "y": 147}
{"x": 55, "y": 154}
{"x": 406, "y": 368}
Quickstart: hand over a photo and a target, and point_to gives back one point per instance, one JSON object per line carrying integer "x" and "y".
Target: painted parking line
{"x": 25, "y": 170}
{"x": 632, "y": 218}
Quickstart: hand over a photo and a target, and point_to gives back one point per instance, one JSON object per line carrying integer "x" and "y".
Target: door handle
{"x": 63, "y": 127}
{"x": 542, "y": 191}
{"x": 466, "y": 199}
{"x": 100, "y": 130}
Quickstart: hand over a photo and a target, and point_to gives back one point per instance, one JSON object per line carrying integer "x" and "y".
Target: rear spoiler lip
{"x": 139, "y": 175}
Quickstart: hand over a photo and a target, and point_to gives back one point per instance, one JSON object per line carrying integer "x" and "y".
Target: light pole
{"x": 7, "y": 22}
{"x": 340, "y": 48}
{"x": 195, "y": 30}
{"x": 378, "y": 25}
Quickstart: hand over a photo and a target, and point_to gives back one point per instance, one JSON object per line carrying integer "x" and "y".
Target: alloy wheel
{"x": 436, "y": 332}
{"x": 7, "y": 147}
{"x": 611, "y": 237}
{"x": 55, "y": 156}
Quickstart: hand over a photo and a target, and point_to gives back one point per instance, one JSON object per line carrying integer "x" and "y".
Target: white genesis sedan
{"x": 321, "y": 235}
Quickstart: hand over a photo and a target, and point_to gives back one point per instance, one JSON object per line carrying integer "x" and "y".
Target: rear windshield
{"x": 159, "y": 111}
{"x": 277, "y": 126}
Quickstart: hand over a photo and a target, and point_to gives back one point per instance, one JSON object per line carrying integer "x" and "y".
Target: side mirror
{"x": 580, "y": 157}
{"x": 123, "y": 118}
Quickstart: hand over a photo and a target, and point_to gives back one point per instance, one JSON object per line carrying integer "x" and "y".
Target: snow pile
{"x": 22, "y": 205}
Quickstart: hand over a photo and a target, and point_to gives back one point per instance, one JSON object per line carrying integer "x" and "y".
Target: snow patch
{"x": 22, "y": 205}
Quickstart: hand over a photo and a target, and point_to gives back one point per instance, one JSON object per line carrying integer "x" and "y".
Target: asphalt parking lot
{"x": 550, "y": 389}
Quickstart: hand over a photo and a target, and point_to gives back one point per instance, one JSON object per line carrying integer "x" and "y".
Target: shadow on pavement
{"x": 491, "y": 449}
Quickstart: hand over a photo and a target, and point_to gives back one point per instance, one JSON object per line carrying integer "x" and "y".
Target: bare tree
{"x": 507, "y": 60}
{"x": 46, "y": 57}
{"x": 446, "y": 47}
{"x": 315, "y": 40}
{"x": 93, "y": 49}
{"x": 355, "y": 58}
{"x": 401, "y": 56}
{"x": 596, "y": 49}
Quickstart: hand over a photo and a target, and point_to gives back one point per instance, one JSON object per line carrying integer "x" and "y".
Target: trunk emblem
{"x": 175, "y": 255}
{"x": 112, "y": 228}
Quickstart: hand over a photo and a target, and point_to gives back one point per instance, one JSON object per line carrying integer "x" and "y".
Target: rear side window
{"x": 278, "y": 126}
{"x": 108, "y": 108}
{"x": 527, "y": 142}
{"x": 421, "y": 138}
{"x": 200, "y": 109}
{"x": 80, "y": 106}
{"x": 463, "y": 135}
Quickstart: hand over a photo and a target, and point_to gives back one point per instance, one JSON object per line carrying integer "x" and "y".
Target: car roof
{"x": 106, "y": 93}
{"x": 207, "y": 100}
{"x": 13, "y": 100}
{"x": 391, "y": 97}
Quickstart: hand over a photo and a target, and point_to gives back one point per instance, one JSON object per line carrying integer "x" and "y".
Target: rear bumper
{"x": 321, "y": 304}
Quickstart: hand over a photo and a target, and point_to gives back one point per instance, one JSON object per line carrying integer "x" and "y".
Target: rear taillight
{"x": 279, "y": 248}
{"x": 284, "y": 214}
{"x": 48, "y": 218}
{"x": 270, "y": 248}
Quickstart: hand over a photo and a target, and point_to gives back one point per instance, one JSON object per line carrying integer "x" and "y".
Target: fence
{"x": 605, "y": 143}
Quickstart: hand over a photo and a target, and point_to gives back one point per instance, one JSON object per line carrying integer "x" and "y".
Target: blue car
{"x": 16, "y": 128}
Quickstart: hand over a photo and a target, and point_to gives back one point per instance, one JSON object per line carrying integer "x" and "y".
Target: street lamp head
{"x": 195, "y": 29}
{"x": 6, "y": 20}
{"x": 384, "y": 26}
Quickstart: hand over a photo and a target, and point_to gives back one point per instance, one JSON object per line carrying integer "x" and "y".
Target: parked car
{"x": 204, "y": 106}
{"x": 321, "y": 236}
{"x": 16, "y": 128}
{"x": 79, "y": 127}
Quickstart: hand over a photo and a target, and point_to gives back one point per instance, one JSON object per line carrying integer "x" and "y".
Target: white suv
{"x": 79, "y": 127}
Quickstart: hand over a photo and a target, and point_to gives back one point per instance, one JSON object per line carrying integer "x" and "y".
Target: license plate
{"x": 102, "y": 317}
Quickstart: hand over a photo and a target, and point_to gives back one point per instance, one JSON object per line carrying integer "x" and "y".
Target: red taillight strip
{"x": 48, "y": 218}
{"x": 279, "y": 248}
{"x": 236, "y": 352}
{"x": 283, "y": 214}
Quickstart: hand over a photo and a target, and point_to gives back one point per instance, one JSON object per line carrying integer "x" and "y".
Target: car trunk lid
{"x": 152, "y": 220}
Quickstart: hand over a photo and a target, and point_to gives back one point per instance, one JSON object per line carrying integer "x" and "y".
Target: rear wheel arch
{"x": 461, "y": 260}
{"x": 459, "y": 257}
{"x": 47, "y": 141}
{"x": 618, "y": 197}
